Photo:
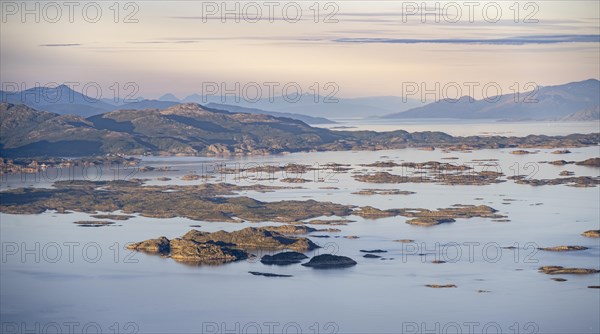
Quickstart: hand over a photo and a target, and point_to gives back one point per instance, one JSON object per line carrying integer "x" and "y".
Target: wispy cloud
{"x": 518, "y": 40}
{"x": 61, "y": 44}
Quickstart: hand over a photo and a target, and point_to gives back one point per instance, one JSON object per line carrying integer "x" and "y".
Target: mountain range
{"x": 547, "y": 103}
{"x": 65, "y": 101}
{"x": 575, "y": 101}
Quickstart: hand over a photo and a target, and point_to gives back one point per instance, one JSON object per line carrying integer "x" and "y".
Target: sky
{"x": 345, "y": 48}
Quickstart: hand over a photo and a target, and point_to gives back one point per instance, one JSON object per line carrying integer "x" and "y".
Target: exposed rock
{"x": 521, "y": 152}
{"x": 438, "y": 261}
{"x": 190, "y": 251}
{"x": 404, "y": 240}
{"x": 253, "y": 238}
{"x": 257, "y": 273}
{"x": 592, "y": 162}
{"x": 289, "y": 229}
{"x": 164, "y": 179}
{"x": 93, "y": 223}
{"x": 573, "y": 181}
{"x": 440, "y": 286}
{"x": 371, "y": 212}
{"x": 434, "y": 172}
{"x": 283, "y": 258}
{"x": 221, "y": 247}
{"x": 563, "y": 248}
{"x": 566, "y": 173}
{"x": 330, "y": 222}
{"x": 373, "y": 251}
{"x": 591, "y": 234}
{"x": 381, "y": 164}
{"x": 328, "y": 261}
{"x": 561, "y": 152}
{"x": 558, "y": 279}
{"x": 558, "y": 270}
{"x": 429, "y": 221}
{"x": 370, "y": 192}
{"x": 205, "y": 201}
{"x": 160, "y": 245}
{"x": 190, "y": 177}
{"x": 351, "y": 237}
{"x": 294, "y": 180}
{"x": 371, "y": 256}
{"x": 594, "y": 286}
{"x": 331, "y": 230}
{"x": 112, "y": 217}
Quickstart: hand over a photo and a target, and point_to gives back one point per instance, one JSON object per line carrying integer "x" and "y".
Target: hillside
{"x": 585, "y": 115}
{"x": 182, "y": 129}
{"x": 191, "y": 129}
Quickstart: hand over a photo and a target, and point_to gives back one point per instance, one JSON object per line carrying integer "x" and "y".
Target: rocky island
{"x": 220, "y": 247}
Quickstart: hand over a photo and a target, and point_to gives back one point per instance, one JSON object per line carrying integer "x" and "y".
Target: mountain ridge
{"x": 194, "y": 130}
{"x": 548, "y": 103}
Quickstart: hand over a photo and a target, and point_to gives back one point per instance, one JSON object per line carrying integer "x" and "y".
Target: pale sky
{"x": 177, "y": 46}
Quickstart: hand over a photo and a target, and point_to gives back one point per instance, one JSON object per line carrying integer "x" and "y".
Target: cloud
{"x": 63, "y": 44}
{"x": 519, "y": 40}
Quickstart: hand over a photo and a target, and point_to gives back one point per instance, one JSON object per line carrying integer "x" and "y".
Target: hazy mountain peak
{"x": 168, "y": 97}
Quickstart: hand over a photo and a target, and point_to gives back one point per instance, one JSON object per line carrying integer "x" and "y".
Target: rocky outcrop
{"x": 159, "y": 245}
{"x": 429, "y": 221}
{"x": 371, "y": 256}
{"x": 294, "y": 180}
{"x": 563, "y": 248}
{"x": 592, "y": 162}
{"x": 370, "y": 192}
{"x": 258, "y": 273}
{"x": 190, "y": 251}
{"x": 221, "y": 247}
{"x": 328, "y": 261}
{"x": 93, "y": 223}
{"x": 558, "y": 270}
{"x": 112, "y": 217}
{"x": 284, "y": 258}
{"x": 440, "y": 286}
{"x": 591, "y": 234}
{"x": 253, "y": 238}
{"x": 521, "y": 152}
{"x": 573, "y": 181}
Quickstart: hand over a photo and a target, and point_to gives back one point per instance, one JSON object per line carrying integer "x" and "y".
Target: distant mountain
{"x": 61, "y": 100}
{"x": 552, "y": 102}
{"x": 190, "y": 129}
{"x": 168, "y": 97}
{"x": 303, "y": 118}
{"x": 65, "y": 101}
{"x": 318, "y": 106}
{"x": 147, "y": 104}
{"x": 585, "y": 115}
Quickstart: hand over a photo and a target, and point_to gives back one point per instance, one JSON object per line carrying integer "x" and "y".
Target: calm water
{"x": 100, "y": 285}
{"x": 467, "y": 127}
